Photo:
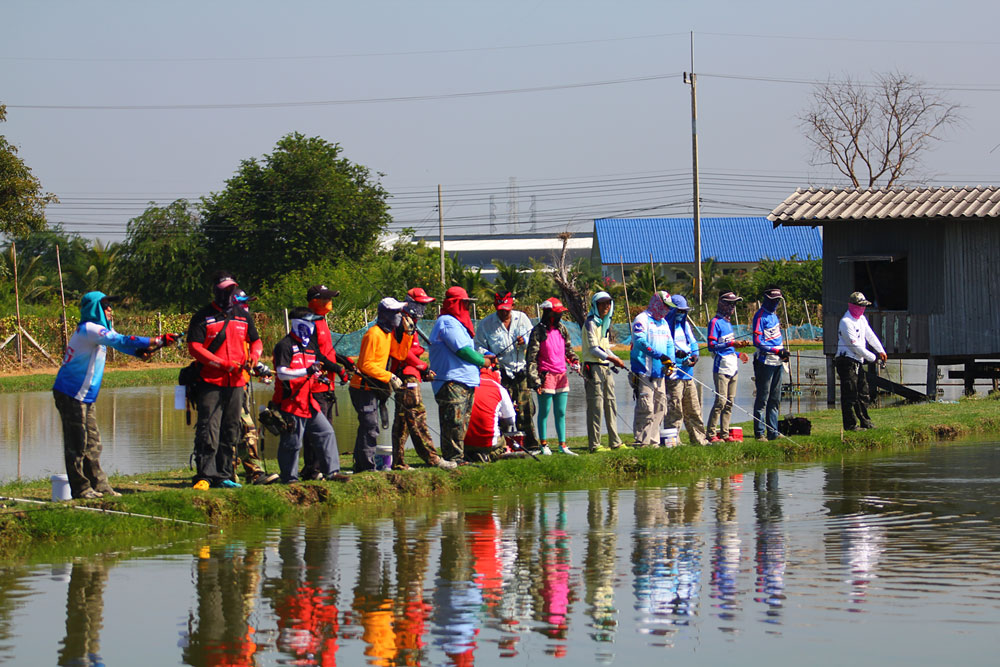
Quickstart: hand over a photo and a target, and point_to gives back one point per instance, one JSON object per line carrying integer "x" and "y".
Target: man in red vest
{"x": 492, "y": 415}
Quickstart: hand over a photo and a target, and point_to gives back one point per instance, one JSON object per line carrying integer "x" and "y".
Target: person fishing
{"x": 598, "y": 379}
{"x": 223, "y": 340}
{"x": 722, "y": 344}
{"x": 319, "y": 300}
{"x": 372, "y": 384}
{"x": 410, "y": 419}
{"x": 767, "y": 364}
{"x": 651, "y": 360}
{"x": 77, "y": 384}
{"x": 491, "y": 418}
{"x": 505, "y": 334}
{"x": 298, "y": 371}
{"x": 550, "y": 356}
{"x": 683, "y": 401}
{"x": 455, "y": 363}
{"x": 854, "y": 335}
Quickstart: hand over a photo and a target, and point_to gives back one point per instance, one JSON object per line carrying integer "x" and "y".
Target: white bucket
{"x": 60, "y": 487}
{"x": 383, "y": 457}
{"x": 180, "y": 397}
{"x": 668, "y": 437}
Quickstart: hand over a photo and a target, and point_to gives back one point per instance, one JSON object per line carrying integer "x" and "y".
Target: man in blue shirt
{"x": 725, "y": 367}
{"x": 76, "y": 387}
{"x": 456, "y": 365}
{"x": 683, "y": 401}
{"x": 767, "y": 364}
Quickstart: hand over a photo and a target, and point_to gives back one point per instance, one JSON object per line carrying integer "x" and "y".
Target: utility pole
{"x": 690, "y": 78}
{"x": 441, "y": 235}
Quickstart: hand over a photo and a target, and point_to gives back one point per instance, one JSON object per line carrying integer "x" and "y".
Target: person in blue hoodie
{"x": 725, "y": 367}
{"x": 651, "y": 360}
{"x": 78, "y": 383}
{"x": 767, "y": 363}
{"x": 683, "y": 401}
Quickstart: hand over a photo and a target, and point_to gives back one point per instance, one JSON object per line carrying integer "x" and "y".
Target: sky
{"x": 115, "y": 105}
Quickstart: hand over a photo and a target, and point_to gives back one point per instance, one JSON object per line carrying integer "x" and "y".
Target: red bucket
{"x": 736, "y": 434}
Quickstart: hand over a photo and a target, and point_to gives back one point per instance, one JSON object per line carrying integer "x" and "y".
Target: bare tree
{"x": 876, "y": 134}
{"x": 566, "y": 277}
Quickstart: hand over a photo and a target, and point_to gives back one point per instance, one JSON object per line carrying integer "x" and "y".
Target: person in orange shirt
{"x": 373, "y": 383}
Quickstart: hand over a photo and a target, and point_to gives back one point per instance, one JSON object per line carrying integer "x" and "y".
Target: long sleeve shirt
{"x": 720, "y": 342}
{"x": 373, "y": 359}
{"x": 493, "y": 336}
{"x": 650, "y": 339}
{"x": 596, "y": 346}
{"x": 685, "y": 347}
{"x": 448, "y": 337}
{"x": 83, "y": 363}
{"x": 767, "y": 337}
{"x": 852, "y": 337}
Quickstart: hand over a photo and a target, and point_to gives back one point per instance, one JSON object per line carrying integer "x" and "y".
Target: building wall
{"x": 969, "y": 322}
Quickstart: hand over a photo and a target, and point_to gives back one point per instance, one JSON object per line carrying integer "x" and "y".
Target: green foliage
{"x": 301, "y": 203}
{"x": 22, "y": 202}
{"x": 33, "y": 286}
{"x": 164, "y": 262}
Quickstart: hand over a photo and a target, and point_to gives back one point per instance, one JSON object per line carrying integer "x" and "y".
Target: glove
{"x": 665, "y": 359}
{"x": 171, "y": 339}
{"x": 785, "y": 355}
{"x": 155, "y": 342}
{"x": 145, "y": 354}
{"x": 395, "y": 382}
{"x": 330, "y": 366}
{"x": 261, "y": 370}
{"x": 314, "y": 368}
{"x": 348, "y": 364}
{"x": 344, "y": 377}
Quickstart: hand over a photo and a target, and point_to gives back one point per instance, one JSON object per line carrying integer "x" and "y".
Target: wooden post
{"x": 628, "y": 310}
{"x": 289, "y": 328}
{"x": 17, "y": 307}
{"x": 62, "y": 298}
{"x": 831, "y": 381}
{"x": 808, "y": 318}
{"x": 159, "y": 323}
{"x": 652, "y": 273}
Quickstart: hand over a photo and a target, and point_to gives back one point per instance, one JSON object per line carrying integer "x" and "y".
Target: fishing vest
{"x": 295, "y": 396}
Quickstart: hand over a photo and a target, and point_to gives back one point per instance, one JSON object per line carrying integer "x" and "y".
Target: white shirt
{"x": 853, "y": 334}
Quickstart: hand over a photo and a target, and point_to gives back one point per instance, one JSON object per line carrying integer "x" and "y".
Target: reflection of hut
{"x": 927, "y": 259}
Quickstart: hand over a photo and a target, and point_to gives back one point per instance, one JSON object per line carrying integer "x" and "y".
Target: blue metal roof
{"x": 671, "y": 240}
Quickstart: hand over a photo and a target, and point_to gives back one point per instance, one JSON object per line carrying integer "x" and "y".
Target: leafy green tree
{"x": 33, "y": 286}
{"x": 163, "y": 261}
{"x": 301, "y": 203}
{"x": 22, "y": 202}
{"x": 510, "y": 278}
{"x": 93, "y": 269}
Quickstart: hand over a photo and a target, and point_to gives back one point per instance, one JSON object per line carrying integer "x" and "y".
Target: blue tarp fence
{"x": 350, "y": 343}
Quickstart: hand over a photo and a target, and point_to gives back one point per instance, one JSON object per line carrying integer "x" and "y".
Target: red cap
{"x": 457, "y": 292}
{"x": 555, "y": 305}
{"x": 419, "y": 295}
{"x": 503, "y": 301}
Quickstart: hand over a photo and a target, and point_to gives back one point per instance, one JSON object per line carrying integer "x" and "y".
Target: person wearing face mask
{"x": 297, "y": 372}
{"x": 683, "y": 402}
{"x": 725, "y": 367}
{"x": 550, "y": 356}
{"x": 319, "y": 299}
{"x": 372, "y": 382}
{"x": 854, "y": 335}
{"x": 455, "y": 363}
{"x": 598, "y": 381}
{"x": 76, "y": 387}
{"x": 651, "y": 360}
{"x": 771, "y": 352}
{"x": 224, "y": 341}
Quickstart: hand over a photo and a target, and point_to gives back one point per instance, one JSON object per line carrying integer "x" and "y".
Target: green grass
{"x": 143, "y": 377}
{"x": 28, "y": 528}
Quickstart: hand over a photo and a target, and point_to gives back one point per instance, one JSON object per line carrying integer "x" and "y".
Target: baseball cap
{"x": 679, "y": 302}
{"x": 730, "y": 297}
{"x": 554, "y": 304}
{"x": 457, "y": 292}
{"x": 772, "y": 293}
{"x": 858, "y": 299}
{"x": 419, "y": 295}
{"x": 321, "y": 292}
{"x": 503, "y": 301}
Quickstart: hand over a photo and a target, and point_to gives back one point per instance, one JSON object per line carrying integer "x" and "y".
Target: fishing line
{"x": 49, "y": 505}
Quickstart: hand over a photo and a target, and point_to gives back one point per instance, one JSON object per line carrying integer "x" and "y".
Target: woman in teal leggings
{"x": 549, "y": 352}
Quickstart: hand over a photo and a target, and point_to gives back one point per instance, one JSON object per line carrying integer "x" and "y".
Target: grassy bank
{"x": 167, "y": 494}
{"x": 144, "y": 376}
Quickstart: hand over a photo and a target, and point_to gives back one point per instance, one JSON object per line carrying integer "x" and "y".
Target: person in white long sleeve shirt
{"x": 854, "y": 335}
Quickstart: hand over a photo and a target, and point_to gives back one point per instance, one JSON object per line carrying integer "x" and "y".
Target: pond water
{"x": 877, "y": 559}
{"x": 141, "y": 431}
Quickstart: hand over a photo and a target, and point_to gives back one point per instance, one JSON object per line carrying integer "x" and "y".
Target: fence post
{"x": 159, "y": 323}
{"x": 17, "y": 307}
{"x": 808, "y": 318}
{"x": 62, "y": 298}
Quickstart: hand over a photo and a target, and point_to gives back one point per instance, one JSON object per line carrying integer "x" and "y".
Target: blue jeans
{"x": 768, "y": 382}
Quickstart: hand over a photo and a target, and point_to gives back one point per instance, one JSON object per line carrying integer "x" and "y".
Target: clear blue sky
{"x": 583, "y": 152}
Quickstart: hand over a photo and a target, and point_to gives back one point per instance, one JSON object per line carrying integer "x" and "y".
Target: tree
{"x": 301, "y": 203}
{"x": 94, "y": 269}
{"x": 163, "y": 261}
{"x": 876, "y": 134}
{"x": 22, "y": 202}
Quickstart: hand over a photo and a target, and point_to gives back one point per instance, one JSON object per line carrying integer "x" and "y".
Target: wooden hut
{"x": 929, "y": 260}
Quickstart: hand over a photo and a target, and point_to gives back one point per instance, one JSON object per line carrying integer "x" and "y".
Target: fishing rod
{"x": 107, "y": 511}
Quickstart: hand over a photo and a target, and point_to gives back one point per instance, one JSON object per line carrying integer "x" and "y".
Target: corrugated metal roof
{"x": 671, "y": 240}
{"x": 816, "y": 206}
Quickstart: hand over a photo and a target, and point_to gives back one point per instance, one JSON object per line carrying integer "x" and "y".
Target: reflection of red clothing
{"x": 237, "y": 654}
{"x": 311, "y": 624}
{"x": 483, "y": 534}
{"x": 410, "y": 629}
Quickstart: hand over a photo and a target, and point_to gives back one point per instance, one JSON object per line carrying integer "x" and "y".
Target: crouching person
{"x": 298, "y": 372}
{"x": 492, "y": 416}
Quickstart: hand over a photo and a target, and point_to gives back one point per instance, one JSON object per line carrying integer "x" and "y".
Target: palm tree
{"x": 95, "y": 268}
{"x": 32, "y": 284}
{"x": 510, "y": 279}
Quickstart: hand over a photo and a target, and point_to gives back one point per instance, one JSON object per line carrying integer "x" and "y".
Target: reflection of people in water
{"x": 556, "y": 593}
{"x": 13, "y": 587}
{"x": 84, "y": 614}
{"x": 599, "y": 563}
{"x": 726, "y": 552}
{"x": 770, "y": 552}
{"x": 373, "y": 602}
{"x": 412, "y": 552}
{"x": 457, "y": 600}
{"x": 226, "y": 582}
{"x": 856, "y": 543}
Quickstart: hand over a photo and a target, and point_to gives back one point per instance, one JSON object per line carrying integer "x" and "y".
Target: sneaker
{"x": 545, "y": 451}
{"x": 201, "y": 485}
{"x": 262, "y": 478}
{"x": 867, "y": 425}
{"x": 854, "y": 428}
{"x": 445, "y": 464}
{"x": 338, "y": 477}
{"x": 714, "y": 439}
{"x": 90, "y": 494}
{"x": 566, "y": 450}
{"x": 230, "y": 484}
{"x": 599, "y": 448}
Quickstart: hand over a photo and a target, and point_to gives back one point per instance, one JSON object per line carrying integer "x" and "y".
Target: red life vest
{"x": 483, "y": 430}
{"x": 295, "y": 396}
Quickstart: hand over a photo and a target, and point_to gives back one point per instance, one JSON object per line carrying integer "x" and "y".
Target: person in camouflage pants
{"x": 454, "y": 401}
{"x": 247, "y": 450}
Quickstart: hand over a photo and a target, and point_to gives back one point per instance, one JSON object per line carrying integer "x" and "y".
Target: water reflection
{"x": 594, "y": 576}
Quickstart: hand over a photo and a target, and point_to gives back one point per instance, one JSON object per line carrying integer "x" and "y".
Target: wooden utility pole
{"x": 441, "y": 235}
{"x": 690, "y": 78}
{"x": 17, "y": 307}
{"x": 62, "y": 298}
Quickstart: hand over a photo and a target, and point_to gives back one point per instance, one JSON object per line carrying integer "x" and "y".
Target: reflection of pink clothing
{"x": 555, "y": 591}
{"x": 552, "y": 353}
